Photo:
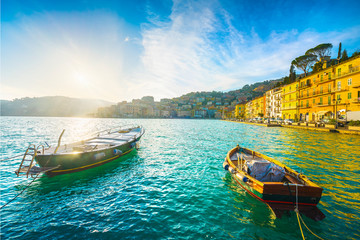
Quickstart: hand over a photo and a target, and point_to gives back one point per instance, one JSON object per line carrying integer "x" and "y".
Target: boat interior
{"x": 261, "y": 169}
{"x": 101, "y": 141}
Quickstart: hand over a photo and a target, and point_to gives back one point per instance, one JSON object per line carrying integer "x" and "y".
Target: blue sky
{"x": 121, "y": 50}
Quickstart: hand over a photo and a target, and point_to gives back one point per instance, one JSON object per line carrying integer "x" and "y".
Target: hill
{"x": 246, "y": 93}
{"x": 55, "y": 106}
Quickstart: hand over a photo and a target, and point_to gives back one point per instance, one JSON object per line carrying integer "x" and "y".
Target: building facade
{"x": 273, "y": 103}
{"x": 331, "y": 92}
{"x": 289, "y": 101}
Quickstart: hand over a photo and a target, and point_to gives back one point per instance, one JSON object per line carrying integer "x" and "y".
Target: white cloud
{"x": 95, "y": 54}
{"x": 199, "y": 49}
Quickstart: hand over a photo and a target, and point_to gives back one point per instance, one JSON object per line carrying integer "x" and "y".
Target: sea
{"x": 174, "y": 186}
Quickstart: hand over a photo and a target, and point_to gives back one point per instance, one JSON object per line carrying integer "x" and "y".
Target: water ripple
{"x": 174, "y": 187}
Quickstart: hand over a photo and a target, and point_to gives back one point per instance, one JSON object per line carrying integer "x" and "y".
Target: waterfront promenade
{"x": 313, "y": 128}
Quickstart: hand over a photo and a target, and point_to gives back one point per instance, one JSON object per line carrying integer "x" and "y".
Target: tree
{"x": 317, "y": 67}
{"x": 292, "y": 74}
{"x": 320, "y": 51}
{"x": 304, "y": 62}
{"x": 339, "y": 52}
{"x": 344, "y": 55}
{"x": 356, "y": 53}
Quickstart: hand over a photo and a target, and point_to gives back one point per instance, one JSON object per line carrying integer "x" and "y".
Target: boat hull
{"x": 279, "y": 196}
{"x": 282, "y": 193}
{"x": 80, "y": 161}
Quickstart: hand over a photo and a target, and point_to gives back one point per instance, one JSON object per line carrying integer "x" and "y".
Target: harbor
{"x": 175, "y": 185}
{"x": 298, "y": 126}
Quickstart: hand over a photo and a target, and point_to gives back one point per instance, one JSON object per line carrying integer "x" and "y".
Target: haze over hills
{"x": 58, "y": 106}
{"x": 52, "y": 106}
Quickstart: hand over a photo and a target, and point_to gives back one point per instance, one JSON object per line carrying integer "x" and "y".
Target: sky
{"x": 119, "y": 50}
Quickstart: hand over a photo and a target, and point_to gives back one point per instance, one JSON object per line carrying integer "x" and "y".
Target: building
{"x": 249, "y": 111}
{"x": 239, "y": 111}
{"x": 273, "y": 103}
{"x": 335, "y": 89}
{"x": 259, "y": 106}
{"x": 289, "y": 101}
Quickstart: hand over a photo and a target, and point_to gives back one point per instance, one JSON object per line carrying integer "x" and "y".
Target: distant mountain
{"x": 51, "y": 106}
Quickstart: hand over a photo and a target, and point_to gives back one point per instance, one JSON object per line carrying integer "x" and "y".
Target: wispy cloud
{"x": 198, "y": 47}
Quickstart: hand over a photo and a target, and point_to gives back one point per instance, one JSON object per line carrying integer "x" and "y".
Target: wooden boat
{"x": 273, "y": 183}
{"x": 104, "y": 147}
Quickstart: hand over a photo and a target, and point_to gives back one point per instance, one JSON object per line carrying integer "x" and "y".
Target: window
{"x": 314, "y": 91}
{"x": 339, "y": 72}
{"x": 349, "y": 95}
{"x": 301, "y": 104}
{"x": 314, "y": 80}
{"x": 349, "y": 81}
{"x": 339, "y": 85}
{"x": 329, "y": 87}
{"x": 321, "y": 101}
{"x": 321, "y": 89}
{"x": 329, "y": 100}
{"x": 321, "y": 77}
{"x": 307, "y": 103}
{"x": 314, "y": 101}
{"x": 329, "y": 75}
{"x": 308, "y": 92}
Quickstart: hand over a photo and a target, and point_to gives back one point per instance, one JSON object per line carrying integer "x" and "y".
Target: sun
{"x": 81, "y": 79}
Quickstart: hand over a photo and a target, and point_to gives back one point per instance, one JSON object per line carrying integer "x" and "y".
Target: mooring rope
{"x": 36, "y": 177}
{"x": 298, "y": 215}
{"x": 20, "y": 192}
{"x": 11, "y": 157}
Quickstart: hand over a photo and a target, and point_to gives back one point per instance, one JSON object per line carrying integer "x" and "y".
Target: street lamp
{"x": 336, "y": 117}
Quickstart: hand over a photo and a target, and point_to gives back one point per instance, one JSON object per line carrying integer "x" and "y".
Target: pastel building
{"x": 273, "y": 103}
{"x": 335, "y": 89}
{"x": 289, "y": 101}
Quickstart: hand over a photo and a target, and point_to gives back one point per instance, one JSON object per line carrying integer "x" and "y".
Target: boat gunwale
{"x": 138, "y": 136}
{"x": 308, "y": 182}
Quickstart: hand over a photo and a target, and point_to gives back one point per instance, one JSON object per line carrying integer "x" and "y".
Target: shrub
{"x": 354, "y": 123}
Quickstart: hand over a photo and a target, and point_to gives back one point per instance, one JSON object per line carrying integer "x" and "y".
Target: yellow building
{"x": 249, "y": 111}
{"x": 240, "y": 111}
{"x": 289, "y": 101}
{"x": 318, "y": 91}
{"x": 259, "y": 106}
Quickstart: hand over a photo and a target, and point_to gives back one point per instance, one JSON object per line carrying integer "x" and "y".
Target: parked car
{"x": 279, "y": 121}
{"x": 288, "y": 121}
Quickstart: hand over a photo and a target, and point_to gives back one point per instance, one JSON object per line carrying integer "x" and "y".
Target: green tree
{"x": 339, "y": 52}
{"x": 320, "y": 50}
{"x": 304, "y": 62}
{"x": 317, "y": 67}
{"x": 292, "y": 74}
{"x": 356, "y": 53}
{"x": 344, "y": 55}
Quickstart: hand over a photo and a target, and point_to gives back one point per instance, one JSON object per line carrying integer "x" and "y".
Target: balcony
{"x": 357, "y": 100}
{"x": 341, "y": 89}
{"x": 306, "y": 106}
{"x": 305, "y": 85}
{"x": 352, "y": 70}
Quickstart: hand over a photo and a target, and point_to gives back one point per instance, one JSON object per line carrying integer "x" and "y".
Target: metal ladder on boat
{"x": 28, "y": 160}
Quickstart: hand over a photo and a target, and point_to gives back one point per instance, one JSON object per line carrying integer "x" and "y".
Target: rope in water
{"x": 297, "y": 213}
{"x": 300, "y": 218}
{"x": 36, "y": 177}
{"x": 20, "y": 192}
{"x": 11, "y": 157}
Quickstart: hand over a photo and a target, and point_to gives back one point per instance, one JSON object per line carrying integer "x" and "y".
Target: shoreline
{"x": 319, "y": 129}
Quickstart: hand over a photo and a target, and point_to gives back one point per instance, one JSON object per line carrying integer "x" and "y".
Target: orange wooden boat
{"x": 273, "y": 183}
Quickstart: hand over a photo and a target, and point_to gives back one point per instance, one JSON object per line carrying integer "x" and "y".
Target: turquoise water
{"x": 174, "y": 187}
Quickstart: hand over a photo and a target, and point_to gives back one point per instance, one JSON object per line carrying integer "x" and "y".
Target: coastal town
{"x": 328, "y": 94}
